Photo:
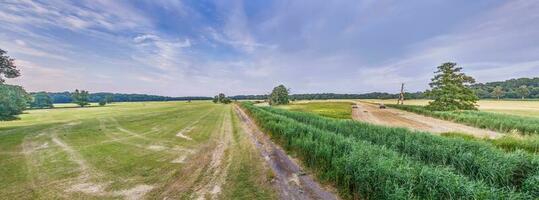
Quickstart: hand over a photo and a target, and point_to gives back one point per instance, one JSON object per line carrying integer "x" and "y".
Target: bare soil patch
{"x": 370, "y": 113}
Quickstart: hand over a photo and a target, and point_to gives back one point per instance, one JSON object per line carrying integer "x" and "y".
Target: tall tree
{"x": 523, "y": 91}
{"x": 498, "y": 92}
{"x": 449, "y": 89}
{"x": 13, "y": 100}
{"x": 41, "y": 100}
{"x": 7, "y": 67}
{"x": 81, "y": 98}
{"x": 279, "y": 95}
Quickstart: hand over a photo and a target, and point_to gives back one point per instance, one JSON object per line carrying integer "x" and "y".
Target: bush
{"x": 13, "y": 100}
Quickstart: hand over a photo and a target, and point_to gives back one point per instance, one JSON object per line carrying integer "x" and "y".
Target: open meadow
{"x": 151, "y": 150}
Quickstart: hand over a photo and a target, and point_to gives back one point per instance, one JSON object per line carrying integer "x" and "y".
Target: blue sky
{"x": 201, "y": 47}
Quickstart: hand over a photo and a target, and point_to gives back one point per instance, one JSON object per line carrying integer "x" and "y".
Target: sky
{"x": 202, "y": 47}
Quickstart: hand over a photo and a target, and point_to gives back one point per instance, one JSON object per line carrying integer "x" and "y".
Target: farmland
{"x": 367, "y": 161}
{"x": 528, "y": 108}
{"x": 334, "y": 109}
{"x": 131, "y": 151}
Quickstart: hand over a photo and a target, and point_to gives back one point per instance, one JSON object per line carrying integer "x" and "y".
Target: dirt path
{"x": 290, "y": 180}
{"x": 370, "y": 113}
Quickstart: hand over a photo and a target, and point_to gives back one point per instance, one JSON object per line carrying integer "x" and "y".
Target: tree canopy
{"x": 13, "y": 100}
{"x": 41, "y": 100}
{"x": 81, "y": 98}
{"x": 7, "y": 67}
{"x": 279, "y": 95}
{"x": 450, "y": 89}
{"x": 221, "y": 98}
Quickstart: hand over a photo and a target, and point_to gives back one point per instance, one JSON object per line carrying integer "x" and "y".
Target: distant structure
{"x": 401, "y": 97}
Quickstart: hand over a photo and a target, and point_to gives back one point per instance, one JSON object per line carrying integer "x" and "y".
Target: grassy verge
{"x": 248, "y": 178}
{"x": 494, "y": 121}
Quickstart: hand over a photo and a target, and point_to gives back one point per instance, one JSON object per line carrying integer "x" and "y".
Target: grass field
{"x": 515, "y": 107}
{"x": 130, "y": 150}
{"x": 334, "y": 109}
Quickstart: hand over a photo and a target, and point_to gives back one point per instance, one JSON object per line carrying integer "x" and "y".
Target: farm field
{"x": 376, "y": 162}
{"x": 528, "y": 108}
{"x": 335, "y": 109}
{"x": 151, "y": 150}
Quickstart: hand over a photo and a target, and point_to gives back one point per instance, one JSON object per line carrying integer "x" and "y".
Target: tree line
{"x": 511, "y": 89}
{"x": 66, "y": 97}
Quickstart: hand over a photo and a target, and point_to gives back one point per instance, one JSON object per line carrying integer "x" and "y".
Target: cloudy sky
{"x": 200, "y": 47}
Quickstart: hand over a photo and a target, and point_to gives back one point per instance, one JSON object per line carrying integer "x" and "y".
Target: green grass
{"x": 510, "y": 142}
{"x": 244, "y": 174}
{"x": 339, "y": 110}
{"x": 118, "y": 147}
{"x": 376, "y": 162}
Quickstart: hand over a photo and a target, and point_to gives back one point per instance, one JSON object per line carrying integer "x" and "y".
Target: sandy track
{"x": 290, "y": 181}
{"x": 370, "y": 113}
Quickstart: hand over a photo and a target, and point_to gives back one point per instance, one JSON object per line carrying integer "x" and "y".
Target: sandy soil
{"x": 370, "y": 113}
{"x": 290, "y": 180}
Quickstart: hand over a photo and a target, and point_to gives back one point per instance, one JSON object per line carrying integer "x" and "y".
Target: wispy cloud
{"x": 200, "y": 48}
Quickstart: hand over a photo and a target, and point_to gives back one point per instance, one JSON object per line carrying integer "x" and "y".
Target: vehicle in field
{"x": 382, "y": 106}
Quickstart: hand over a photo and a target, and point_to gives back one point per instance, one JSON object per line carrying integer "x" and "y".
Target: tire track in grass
{"x": 83, "y": 183}
{"x": 218, "y": 166}
{"x": 191, "y": 126}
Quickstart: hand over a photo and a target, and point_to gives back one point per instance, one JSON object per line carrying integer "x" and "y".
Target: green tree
{"x": 279, "y": 95}
{"x": 523, "y": 91}
{"x": 449, "y": 89}
{"x": 41, "y": 100}
{"x": 13, "y": 100}
{"x": 109, "y": 99}
{"x": 226, "y": 100}
{"x": 102, "y": 102}
{"x": 221, "y": 97}
{"x": 498, "y": 92}
{"x": 7, "y": 67}
{"x": 80, "y": 98}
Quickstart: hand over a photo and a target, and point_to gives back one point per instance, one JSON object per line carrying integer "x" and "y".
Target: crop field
{"x": 334, "y": 109}
{"x": 528, "y": 108}
{"x": 153, "y": 150}
{"x": 374, "y": 162}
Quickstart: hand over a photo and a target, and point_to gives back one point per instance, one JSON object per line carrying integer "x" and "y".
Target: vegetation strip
{"x": 477, "y": 160}
{"x": 495, "y": 121}
{"x": 362, "y": 169}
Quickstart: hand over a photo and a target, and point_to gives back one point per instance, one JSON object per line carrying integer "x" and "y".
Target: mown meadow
{"x": 374, "y": 162}
{"x": 144, "y": 150}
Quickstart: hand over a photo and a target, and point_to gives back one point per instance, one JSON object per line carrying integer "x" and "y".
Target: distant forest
{"x": 509, "y": 87}
{"x": 483, "y": 90}
{"x": 65, "y": 97}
